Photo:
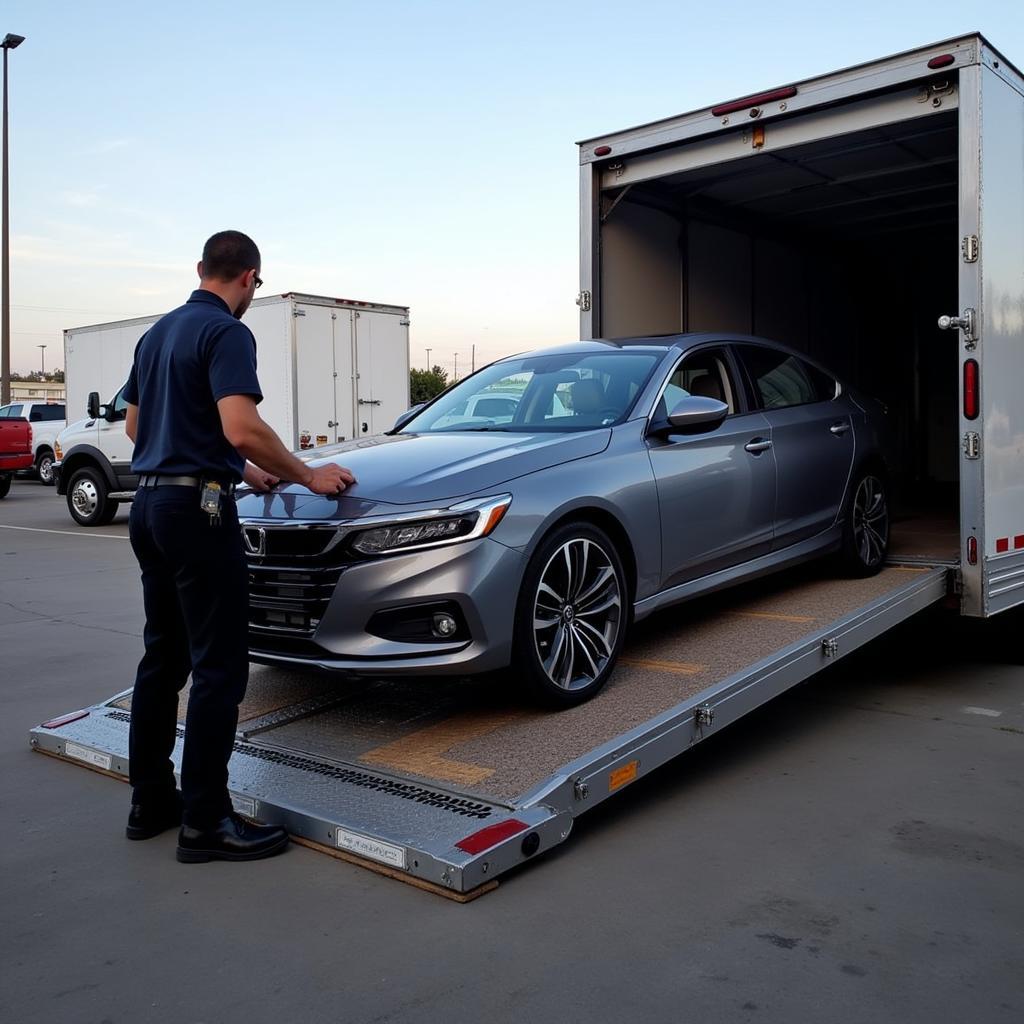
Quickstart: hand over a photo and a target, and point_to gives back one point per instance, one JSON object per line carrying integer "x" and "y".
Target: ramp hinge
{"x": 704, "y": 715}
{"x": 830, "y": 647}
{"x": 969, "y": 247}
{"x": 583, "y": 301}
{"x": 972, "y": 444}
{"x": 580, "y": 790}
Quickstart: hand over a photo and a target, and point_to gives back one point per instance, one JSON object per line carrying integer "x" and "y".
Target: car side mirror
{"x": 93, "y": 405}
{"x": 407, "y": 415}
{"x": 695, "y": 415}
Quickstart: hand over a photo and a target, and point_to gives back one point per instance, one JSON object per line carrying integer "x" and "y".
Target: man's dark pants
{"x": 194, "y": 582}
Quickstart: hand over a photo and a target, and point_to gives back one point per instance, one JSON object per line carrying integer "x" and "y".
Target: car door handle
{"x": 839, "y": 428}
{"x": 758, "y": 445}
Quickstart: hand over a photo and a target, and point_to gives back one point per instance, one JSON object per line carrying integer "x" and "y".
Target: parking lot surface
{"x": 852, "y": 852}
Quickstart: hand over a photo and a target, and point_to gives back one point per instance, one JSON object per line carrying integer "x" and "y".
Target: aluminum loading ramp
{"x": 449, "y": 784}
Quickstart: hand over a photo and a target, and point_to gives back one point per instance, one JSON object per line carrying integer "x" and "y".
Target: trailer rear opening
{"x": 846, "y": 216}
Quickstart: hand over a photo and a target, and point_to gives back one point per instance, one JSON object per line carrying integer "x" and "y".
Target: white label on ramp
{"x": 93, "y": 757}
{"x": 373, "y": 849}
{"x": 244, "y": 805}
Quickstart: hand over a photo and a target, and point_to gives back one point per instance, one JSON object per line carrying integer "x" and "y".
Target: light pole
{"x": 456, "y": 366}
{"x": 9, "y": 43}
{"x": 42, "y": 360}
{"x": 428, "y": 360}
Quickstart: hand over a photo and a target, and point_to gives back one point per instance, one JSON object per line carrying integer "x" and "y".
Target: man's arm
{"x": 131, "y": 421}
{"x": 246, "y": 431}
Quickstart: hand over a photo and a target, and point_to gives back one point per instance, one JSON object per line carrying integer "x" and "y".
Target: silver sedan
{"x": 527, "y": 515}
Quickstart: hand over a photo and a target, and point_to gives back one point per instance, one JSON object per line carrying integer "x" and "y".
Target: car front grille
{"x": 293, "y": 573}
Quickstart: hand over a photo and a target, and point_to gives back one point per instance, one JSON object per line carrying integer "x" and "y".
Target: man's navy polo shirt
{"x": 184, "y": 364}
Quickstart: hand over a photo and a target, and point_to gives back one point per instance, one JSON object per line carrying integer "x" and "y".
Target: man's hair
{"x": 228, "y": 254}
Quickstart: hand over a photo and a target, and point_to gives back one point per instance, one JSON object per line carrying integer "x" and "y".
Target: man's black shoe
{"x": 232, "y": 838}
{"x": 148, "y": 820}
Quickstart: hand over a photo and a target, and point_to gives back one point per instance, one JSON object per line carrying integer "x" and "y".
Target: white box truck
{"x": 874, "y": 218}
{"x": 331, "y": 370}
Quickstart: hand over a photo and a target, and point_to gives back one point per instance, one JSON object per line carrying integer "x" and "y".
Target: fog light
{"x": 444, "y": 625}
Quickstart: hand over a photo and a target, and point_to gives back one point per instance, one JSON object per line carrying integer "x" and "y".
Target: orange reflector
{"x": 496, "y": 516}
{"x": 972, "y": 550}
{"x": 491, "y": 836}
{"x": 621, "y": 776}
{"x": 55, "y": 723}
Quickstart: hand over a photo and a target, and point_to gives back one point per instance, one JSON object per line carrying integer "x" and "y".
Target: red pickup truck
{"x": 15, "y": 449}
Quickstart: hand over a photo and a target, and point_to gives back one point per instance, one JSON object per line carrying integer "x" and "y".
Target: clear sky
{"x": 421, "y": 154}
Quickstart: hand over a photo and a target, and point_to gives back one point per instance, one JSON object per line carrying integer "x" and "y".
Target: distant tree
{"x": 426, "y": 384}
{"x": 57, "y": 376}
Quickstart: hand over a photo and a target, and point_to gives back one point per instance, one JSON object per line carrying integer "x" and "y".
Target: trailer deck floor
{"x": 477, "y": 737}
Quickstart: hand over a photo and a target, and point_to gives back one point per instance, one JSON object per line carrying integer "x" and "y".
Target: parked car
{"x": 630, "y": 475}
{"x": 15, "y": 449}
{"x": 48, "y": 419}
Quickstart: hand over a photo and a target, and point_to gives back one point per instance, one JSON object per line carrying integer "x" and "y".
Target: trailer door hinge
{"x": 583, "y": 301}
{"x": 369, "y": 401}
{"x": 972, "y": 444}
{"x": 298, "y": 312}
{"x": 969, "y": 247}
{"x": 403, "y": 323}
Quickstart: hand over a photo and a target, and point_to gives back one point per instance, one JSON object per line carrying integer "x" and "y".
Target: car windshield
{"x": 554, "y": 392}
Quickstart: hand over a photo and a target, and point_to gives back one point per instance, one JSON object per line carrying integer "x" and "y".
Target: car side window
{"x": 12, "y": 412}
{"x": 705, "y": 373}
{"x": 48, "y": 412}
{"x": 780, "y": 379}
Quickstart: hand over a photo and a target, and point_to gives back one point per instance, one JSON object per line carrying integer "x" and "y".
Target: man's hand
{"x": 259, "y": 479}
{"x": 329, "y": 479}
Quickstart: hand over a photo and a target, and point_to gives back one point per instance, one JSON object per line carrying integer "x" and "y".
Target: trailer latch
{"x": 965, "y": 323}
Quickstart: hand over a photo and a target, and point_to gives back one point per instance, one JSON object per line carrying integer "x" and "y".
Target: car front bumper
{"x": 481, "y": 577}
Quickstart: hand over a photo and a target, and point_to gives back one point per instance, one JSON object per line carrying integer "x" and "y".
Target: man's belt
{"x": 158, "y": 480}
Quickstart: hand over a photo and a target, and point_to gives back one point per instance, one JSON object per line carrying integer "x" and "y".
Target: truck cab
{"x": 93, "y": 469}
{"x": 48, "y": 420}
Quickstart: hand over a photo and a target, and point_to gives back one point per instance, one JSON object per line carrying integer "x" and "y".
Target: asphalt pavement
{"x": 852, "y": 852}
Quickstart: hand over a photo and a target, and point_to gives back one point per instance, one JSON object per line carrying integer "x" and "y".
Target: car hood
{"x": 414, "y": 469}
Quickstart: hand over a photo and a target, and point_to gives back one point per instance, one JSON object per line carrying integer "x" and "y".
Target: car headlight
{"x": 465, "y": 521}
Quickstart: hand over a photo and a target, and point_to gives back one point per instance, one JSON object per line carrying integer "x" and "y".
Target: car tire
{"x": 5, "y": 483}
{"x": 44, "y": 467}
{"x": 866, "y": 525}
{"x": 87, "y": 498}
{"x": 571, "y": 616}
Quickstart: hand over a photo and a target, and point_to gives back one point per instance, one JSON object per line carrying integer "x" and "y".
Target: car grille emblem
{"x": 255, "y": 538}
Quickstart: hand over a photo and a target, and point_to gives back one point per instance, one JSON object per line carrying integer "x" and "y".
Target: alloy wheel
{"x": 870, "y": 521}
{"x": 577, "y": 614}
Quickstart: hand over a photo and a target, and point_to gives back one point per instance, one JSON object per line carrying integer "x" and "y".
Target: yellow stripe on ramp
{"x": 776, "y": 616}
{"x": 681, "y": 668}
{"x": 422, "y": 752}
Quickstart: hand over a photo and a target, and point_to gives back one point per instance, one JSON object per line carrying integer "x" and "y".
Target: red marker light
{"x": 56, "y": 723}
{"x": 491, "y": 835}
{"x": 754, "y": 101}
{"x": 942, "y": 62}
{"x": 971, "y": 404}
{"x": 972, "y": 550}
{"x": 602, "y": 150}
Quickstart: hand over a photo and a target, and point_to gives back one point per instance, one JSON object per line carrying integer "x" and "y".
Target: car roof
{"x": 656, "y": 343}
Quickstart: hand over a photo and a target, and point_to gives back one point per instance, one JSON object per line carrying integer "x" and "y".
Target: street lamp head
{"x": 11, "y": 41}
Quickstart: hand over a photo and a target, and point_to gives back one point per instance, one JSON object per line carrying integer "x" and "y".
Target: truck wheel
{"x": 44, "y": 467}
{"x": 5, "y": 483}
{"x": 571, "y": 616}
{"x": 87, "y": 499}
{"x": 866, "y": 527}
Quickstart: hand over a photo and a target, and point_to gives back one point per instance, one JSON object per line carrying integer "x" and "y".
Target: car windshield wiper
{"x": 466, "y": 430}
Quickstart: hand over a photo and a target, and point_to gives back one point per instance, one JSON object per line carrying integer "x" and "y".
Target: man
{"x": 192, "y": 396}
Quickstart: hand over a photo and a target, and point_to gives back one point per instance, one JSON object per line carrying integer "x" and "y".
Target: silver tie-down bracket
{"x": 965, "y": 323}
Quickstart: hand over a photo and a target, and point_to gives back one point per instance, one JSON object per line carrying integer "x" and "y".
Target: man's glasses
{"x": 257, "y": 280}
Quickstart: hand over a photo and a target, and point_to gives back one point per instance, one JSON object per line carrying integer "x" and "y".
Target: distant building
{"x": 37, "y": 391}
